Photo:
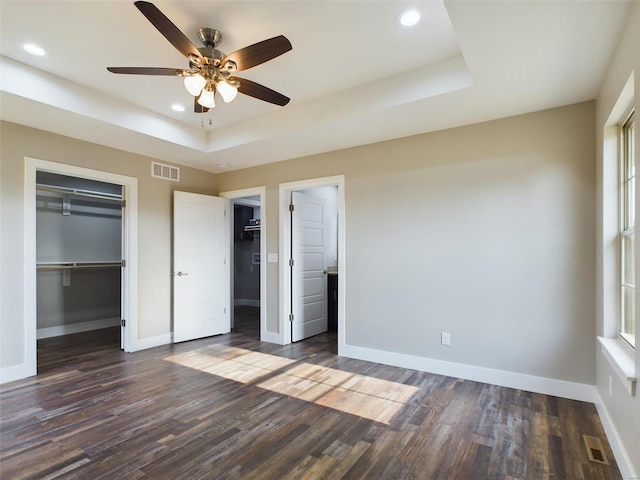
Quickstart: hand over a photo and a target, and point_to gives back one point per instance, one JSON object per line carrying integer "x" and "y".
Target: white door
{"x": 308, "y": 280}
{"x": 200, "y": 272}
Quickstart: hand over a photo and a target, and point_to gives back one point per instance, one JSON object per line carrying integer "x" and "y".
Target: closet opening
{"x": 79, "y": 265}
{"x": 246, "y": 261}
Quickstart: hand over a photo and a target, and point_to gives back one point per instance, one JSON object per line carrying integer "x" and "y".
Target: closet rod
{"x": 75, "y": 265}
{"x": 79, "y": 192}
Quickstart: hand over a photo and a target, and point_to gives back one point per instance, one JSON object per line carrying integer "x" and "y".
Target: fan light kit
{"x": 210, "y": 70}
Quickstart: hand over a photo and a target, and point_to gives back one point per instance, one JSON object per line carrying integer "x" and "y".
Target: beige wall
{"x": 485, "y": 231}
{"x": 154, "y": 209}
{"x": 622, "y": 409}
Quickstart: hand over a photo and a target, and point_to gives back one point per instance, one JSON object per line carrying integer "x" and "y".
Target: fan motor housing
{"x": 210, "y": 37}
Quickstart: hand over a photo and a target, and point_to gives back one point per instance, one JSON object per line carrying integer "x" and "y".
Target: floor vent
{"x": 158, "y": 170}
{"x": 595, "y": 450}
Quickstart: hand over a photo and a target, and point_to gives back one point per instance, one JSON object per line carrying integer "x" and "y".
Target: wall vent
{"x": 158, "y": 170}
{"x": 595, "y": 450}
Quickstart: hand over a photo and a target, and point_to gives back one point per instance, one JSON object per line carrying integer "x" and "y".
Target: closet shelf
{"x": 252, "y": 228}
{"x": 76, "y": 265}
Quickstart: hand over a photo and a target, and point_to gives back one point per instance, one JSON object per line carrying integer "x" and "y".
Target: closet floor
{"x": 247, "y": 321}
{"x": 85, "y": 351}
{"x": 231, "y": 407}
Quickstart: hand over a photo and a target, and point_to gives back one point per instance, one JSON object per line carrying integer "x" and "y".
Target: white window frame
{"x": 627, "y": 228}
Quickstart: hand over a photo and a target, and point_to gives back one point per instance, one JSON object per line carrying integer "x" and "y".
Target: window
{"x": 626, "y": 327}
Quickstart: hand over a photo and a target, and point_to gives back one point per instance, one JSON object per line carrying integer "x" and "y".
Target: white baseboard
{"x": 246, "y": 302}
{"x": 59, "y": 330}
{"x": 530, "y": 383}
{"x": 619, "y": 451}
{"x": 15, "y": 372}
{"x": 150, "y": 342}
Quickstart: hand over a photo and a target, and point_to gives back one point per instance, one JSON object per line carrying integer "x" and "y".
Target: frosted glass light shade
{"x": 206, "y": 99}
{"x": 227, "y": 91}
{"x": 194, "y": 84}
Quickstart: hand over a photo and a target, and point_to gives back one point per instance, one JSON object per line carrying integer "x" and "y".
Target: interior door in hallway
{"x": 309, "y": 255}
{"x": 201, "y": 274}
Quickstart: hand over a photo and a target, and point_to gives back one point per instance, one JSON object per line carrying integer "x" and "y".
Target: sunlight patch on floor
{"x": 368, "y": 397}
{"x": 372, "y": 398}
{"x": 232, "y": 363}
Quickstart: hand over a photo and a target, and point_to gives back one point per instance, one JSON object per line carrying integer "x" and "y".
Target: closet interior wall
{"x": 78, "y": 250}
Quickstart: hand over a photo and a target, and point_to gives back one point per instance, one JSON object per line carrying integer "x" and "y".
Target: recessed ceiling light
{"x": 34, "y": 49}
{"x": 408, "y": 18}
{"x": 177, "y": 107}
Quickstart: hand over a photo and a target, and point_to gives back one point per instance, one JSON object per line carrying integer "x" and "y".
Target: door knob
{"x": 180, "y": 274}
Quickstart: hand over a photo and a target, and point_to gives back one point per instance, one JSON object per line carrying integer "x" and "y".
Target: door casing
{"x": 129, "y": 251}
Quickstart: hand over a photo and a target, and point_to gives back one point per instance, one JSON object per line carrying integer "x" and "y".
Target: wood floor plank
{"x": 232, "y": 408}
{"x": 537, "y": 467}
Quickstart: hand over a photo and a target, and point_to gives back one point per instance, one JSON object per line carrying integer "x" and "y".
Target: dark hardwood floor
{"x": 230, "y": 407}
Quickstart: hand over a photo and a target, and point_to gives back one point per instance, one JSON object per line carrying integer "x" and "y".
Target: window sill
{"x": 621, "y": 360}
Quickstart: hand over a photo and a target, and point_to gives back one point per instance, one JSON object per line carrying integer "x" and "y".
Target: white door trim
{"x": 285, "y": 246}
{"x": 265, "y": 335}
{"x": 129, "y": 253}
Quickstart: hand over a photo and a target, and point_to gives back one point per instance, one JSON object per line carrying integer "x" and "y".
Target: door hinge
{"x": 291, "y": 317}
{"x": 291, "y": 262}
{"x": 123, "y": 263}
{"x": 291, "y": 207}
{"x": 124, "y": 203}
{"x": 123, "y": 323}
{"x": 225, "y": 213}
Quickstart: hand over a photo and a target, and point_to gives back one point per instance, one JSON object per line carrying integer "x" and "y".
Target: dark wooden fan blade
{"x": 197, "y": 108}
{"x": 168, "y": 29}
{"x": 258, "y": 53}
{"x": 260, "y": 92}
{"x": 146, "y": 70}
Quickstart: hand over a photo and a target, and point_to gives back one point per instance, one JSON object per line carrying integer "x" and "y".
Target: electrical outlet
{"x": 610, "y": 386}
{"x": 445, "y": 338}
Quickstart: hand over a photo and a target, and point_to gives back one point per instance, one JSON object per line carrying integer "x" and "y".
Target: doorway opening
{"x": 246, "y": 265}
{"x": 248, "y": 286}
{"x": 313, "y": 255}
{"x": 81, "y": 270}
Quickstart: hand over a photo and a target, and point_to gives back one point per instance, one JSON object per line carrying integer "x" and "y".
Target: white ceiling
{"x": 354, "y": 75}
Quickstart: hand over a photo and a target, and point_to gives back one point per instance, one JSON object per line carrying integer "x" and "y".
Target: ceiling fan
{"x": 210, "y": 70}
